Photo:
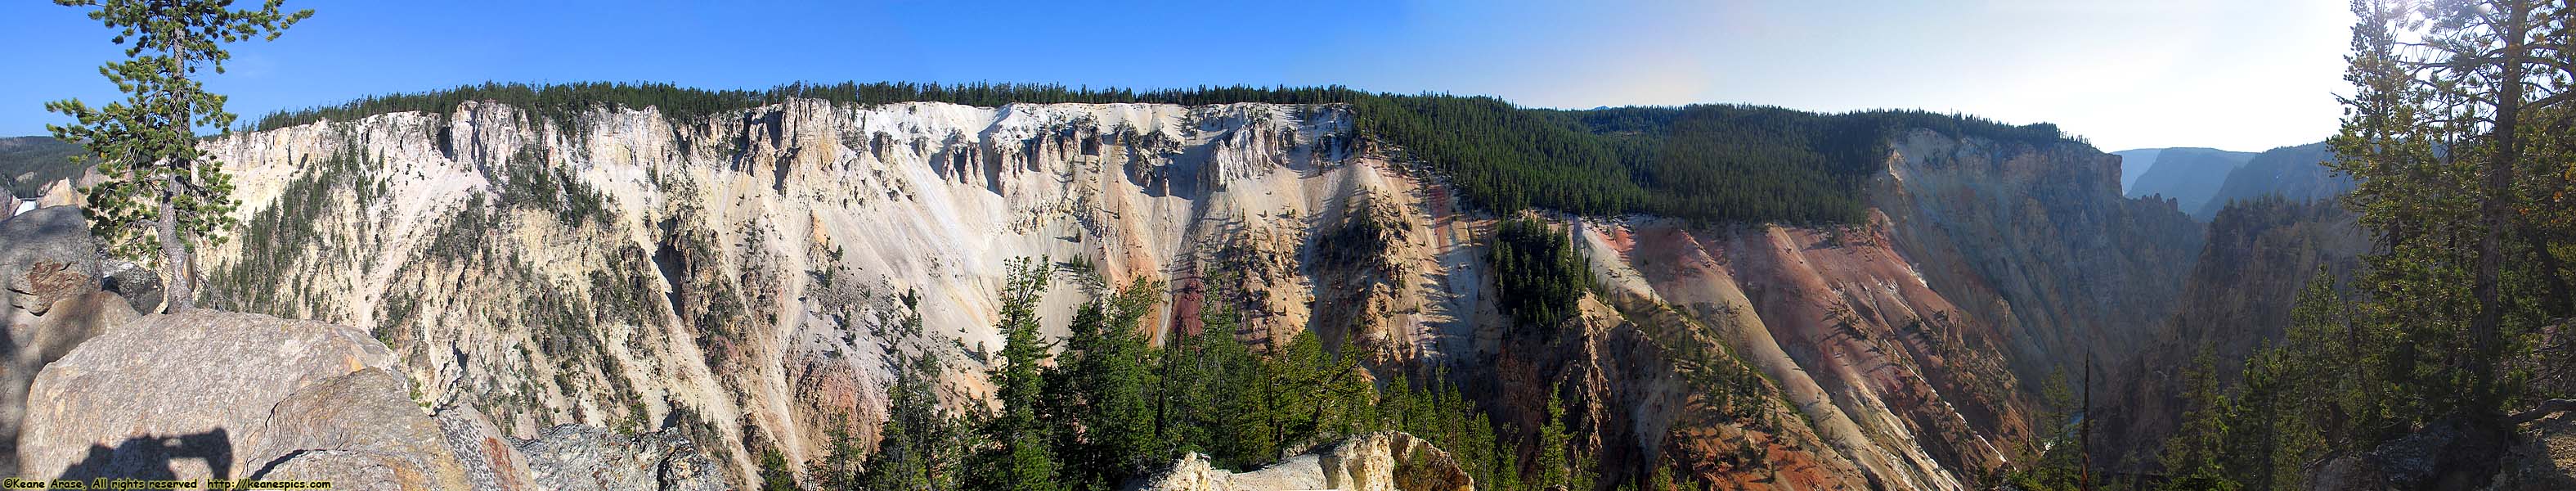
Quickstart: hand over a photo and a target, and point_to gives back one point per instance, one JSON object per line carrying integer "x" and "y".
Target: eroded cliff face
{"x": 2260, "y": 254}
{"x": 2038, "y": 243}
{"x": 749, "y": 278}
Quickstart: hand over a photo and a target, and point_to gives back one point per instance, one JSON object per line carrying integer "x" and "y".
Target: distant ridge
{"x": 2190, "y": 176}
{"x": 2294, "y": 172}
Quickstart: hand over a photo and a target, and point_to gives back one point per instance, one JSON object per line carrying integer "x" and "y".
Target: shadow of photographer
{"x": 152, "y": 457}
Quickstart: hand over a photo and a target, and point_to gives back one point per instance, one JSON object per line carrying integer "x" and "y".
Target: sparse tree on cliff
{"x": 161, "y": 193}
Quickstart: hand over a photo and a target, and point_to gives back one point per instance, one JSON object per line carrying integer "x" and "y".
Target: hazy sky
{"x": 2231, "y": 74}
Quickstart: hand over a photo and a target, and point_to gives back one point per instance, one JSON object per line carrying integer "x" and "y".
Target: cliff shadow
{"x": 13, "y": 396}
{"x": 149, "y": 457}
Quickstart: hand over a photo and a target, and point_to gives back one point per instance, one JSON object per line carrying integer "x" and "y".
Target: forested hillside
{"x": 1708, "y": 163}
{"x": 28, "y": 162}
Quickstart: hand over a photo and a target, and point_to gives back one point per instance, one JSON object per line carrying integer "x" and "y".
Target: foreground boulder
{"x": 1384, "y": 461}
{"x": 208, "y": 394}
{"x": 2544, "y": 458}
{"x": 46, "y": 256}
{"x": 2444, "y": 454}
{"x": 40, "y": 342}
{"x": 139, "y": 287}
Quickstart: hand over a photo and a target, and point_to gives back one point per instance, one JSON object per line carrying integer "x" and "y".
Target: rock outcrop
{"x": 1386, "y": 461}
{"x": 70, "y": 322}
{"x": 2543, "y": 459}
{"x": 46, "y": 256}
{"x": 207, "y": 394}
{"x": 2444, "y": 454}
{"x": 49, "y": 277}
{"x": 583, "y": 458}
{"x": 491, "y": 463}
{"x": 2037, "y": 241}
{"x": 141, "y": 288}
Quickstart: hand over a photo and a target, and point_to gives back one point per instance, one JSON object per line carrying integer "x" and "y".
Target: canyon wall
{"x": 749, "y": 278}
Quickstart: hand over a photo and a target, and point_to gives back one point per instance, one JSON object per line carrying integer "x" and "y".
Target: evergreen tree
{"x": 1124, "y": 407}
{"x": 1190, "y": 416}
{"x": 1106, "y": 378}
{"x": 1506, "y": 467}
{"x": 838, "y": 468}
{"x": 2193, "y": 457}
{"x": 1247, "y": 430}
{"x": 1314, "y": 395}
{"x": 1021, "y": 458}
{"x": 2440, "y": 136}
{"x": 1540, "y": 277}
{"x": 774, "y": 475}
{"x": 920, "y": 447}
{"x": 1555, "y": 464}
{"x": 161, "y": 194}
{"x": 1292, "y": 398}
{"x": 2269, "y": 440}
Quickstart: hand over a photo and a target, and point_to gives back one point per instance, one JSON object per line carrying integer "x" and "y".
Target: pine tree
{"x": 1506, "y": 469}
{"x": 1535, "y": 267}
{"x": 2269, "y": 441}
{"x": 838, "y": 468}
{"x": 920, "y": 447}
{"x": 2441, "y": 135}
{"x": 1320, "y": 395}
{"x": 1294, "y": 398}
{"x": 774, "y": 475}
{"x": 161, "y": 193}
{"x": 1190, "y": 417}
{"x": 1246, "y": 433}
{"x": 1021, "y": 458}
{"x": 1124, "y": 408}
{"x": 1105, "y": 388}
{"x": 2193, "y": 457}
{"x": 1555, "y": 460}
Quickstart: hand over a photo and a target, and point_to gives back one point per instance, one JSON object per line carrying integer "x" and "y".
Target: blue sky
{"x": 2238, "y": 75}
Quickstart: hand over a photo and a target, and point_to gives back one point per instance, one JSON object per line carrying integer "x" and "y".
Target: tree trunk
{"x": 179, "y": 289}
{"x": 2485, "y": 334}
{"x": 174, "y": 251}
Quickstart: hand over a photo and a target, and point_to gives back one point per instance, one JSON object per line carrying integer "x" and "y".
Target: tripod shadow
{"x": 149, "y": 457}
